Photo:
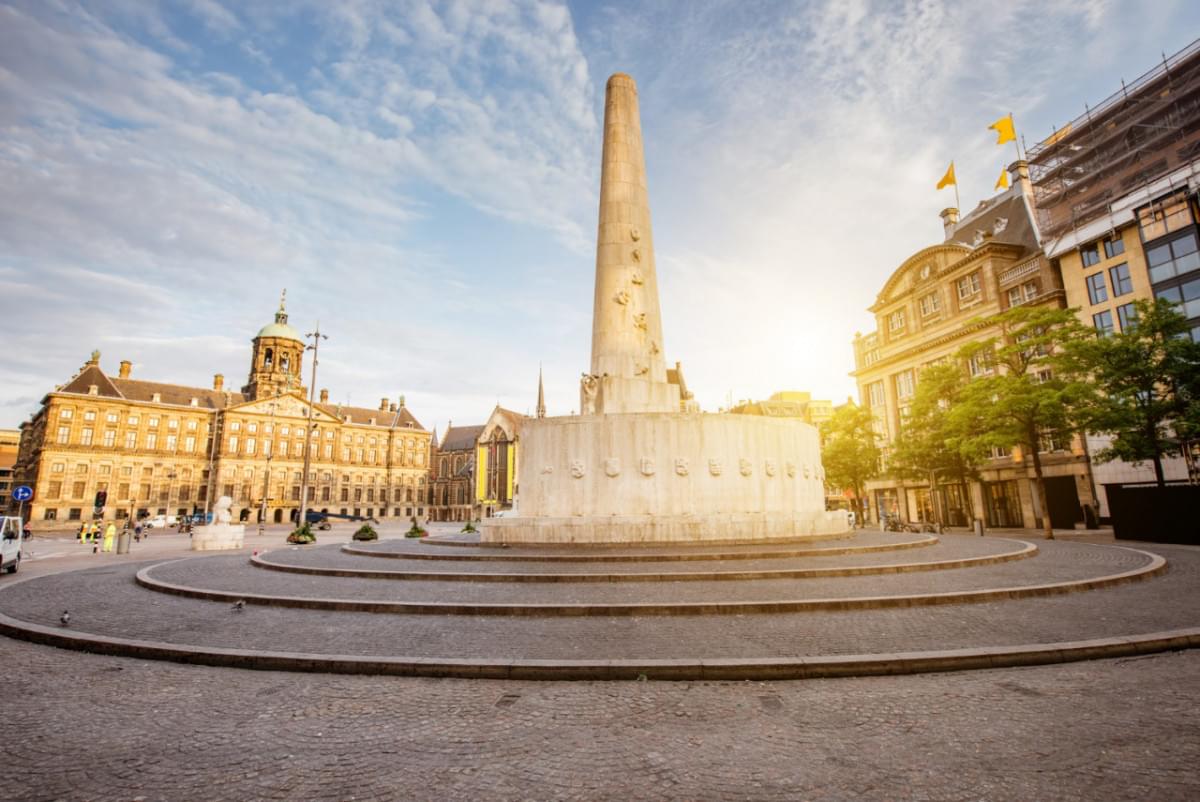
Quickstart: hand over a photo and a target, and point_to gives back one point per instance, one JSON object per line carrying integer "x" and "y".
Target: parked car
{"x": 160, "y": 521}
{"x": 10, "y": 543}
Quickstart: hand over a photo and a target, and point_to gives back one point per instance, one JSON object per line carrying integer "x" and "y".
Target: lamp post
{"x": 316, "y": 336}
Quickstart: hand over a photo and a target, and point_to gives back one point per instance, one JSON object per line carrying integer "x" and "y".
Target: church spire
{"x": 541, "y": 404}
{"x": 281, "y": 315}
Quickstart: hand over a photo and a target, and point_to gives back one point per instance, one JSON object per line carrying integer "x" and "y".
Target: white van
{"x": 10, "y": 543}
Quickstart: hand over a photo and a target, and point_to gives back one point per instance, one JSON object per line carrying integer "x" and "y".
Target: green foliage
{"x": 1026, "y": 391}
{"x": 415, "y": 530}
{"x": 1148, "y": 386}
{"x": 366, "y": 532}
{"x": 302, "y": 534}
{"x": 469, "y": 528}
{"x": 937, "y": 437}
{"x": 850, "y": 449}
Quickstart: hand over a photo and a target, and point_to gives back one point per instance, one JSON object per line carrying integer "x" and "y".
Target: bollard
{"x": 123, "y": 541}
{"x": 979, "y": 526}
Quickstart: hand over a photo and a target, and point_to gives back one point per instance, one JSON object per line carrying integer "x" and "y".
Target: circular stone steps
{"x": 1064, "y": 601}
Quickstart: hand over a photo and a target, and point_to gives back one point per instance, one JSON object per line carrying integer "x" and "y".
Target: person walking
{"x": 137, "y": 532}
{"x": 82, "y": 534}
{"x": 110, "y": 535}
{"x": 93, "y": 533}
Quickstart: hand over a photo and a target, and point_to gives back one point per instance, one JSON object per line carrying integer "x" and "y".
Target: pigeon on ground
{"x": 65, "y": 618}
{"x": 239, "y": 605}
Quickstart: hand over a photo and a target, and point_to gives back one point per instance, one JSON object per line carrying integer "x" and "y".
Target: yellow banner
{"x": 481, "y": 469}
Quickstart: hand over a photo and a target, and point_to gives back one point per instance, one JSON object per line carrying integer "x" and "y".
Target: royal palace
{"x": 115, "y": 446}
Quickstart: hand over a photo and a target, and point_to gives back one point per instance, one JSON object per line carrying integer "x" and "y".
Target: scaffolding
{"x": 1150, "y": 128}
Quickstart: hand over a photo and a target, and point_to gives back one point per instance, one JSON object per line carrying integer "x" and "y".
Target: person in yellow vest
{"x": 110, "y": 535}
{"x": 93, "y": 533}
{"x": 82, "y": 532}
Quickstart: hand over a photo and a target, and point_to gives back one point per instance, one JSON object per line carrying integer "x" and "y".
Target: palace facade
{"x": 934, "y": 303}
{"x": 115, "y": 446}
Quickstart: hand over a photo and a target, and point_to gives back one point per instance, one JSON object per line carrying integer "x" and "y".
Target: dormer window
{"x": 930, "y": 304}
{"x": 156, "y": 398}
{"x": 968, "y": 286}
{"x": 896, "y": 321}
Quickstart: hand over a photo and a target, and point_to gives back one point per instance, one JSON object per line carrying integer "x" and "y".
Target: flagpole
{"x": 957, "y": 203}
{"x": 1016, "y": 139}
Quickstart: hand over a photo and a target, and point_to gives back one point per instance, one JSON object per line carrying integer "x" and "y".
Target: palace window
{"x": 53, "y": 490}
{"x": 81, "y": 467}
{"x": 283, "y": 448}
{"x": 1097, "y": 290}
{"x": 904, "y": 384}
{"x": 152, "y": 422}
{"x": 189, "y": 444}
{"x": 896, "y": 321}
{"x": 123, "y": 490}
{"x": 980, "y": 364}
{"x": 57, "y": 467}
{"x": 1113, "y": 247}
{"x": 85, "y": 437}
{"x": 152, "y": 440}
{"x": 64, "y": 435}
{"x": 968, "y": 286}
{"x": 328, "y": 451}
{"x": 250, "y": 445}
{"x": 172, "y": 441}
{"x": 233, "y": 447}
{"x": 173, "y": 423}
{"x": 89, "y": 415}
{"x": 1121, "y": 283}
{"x": 66, "y": 414}
{"x": 236, "y": 426}
{"x": 111, "y": 417}
{"x": 875, "y": 394}
{"x": 252, "y": 427}
{"x": 110, "y": 438}
{"x": 131, "y": 439}
{"x": 77, "y": 489}
{"x": 191, "y": 426}
{"x": 930, "y": 304}
{"x": 132, "y": 420}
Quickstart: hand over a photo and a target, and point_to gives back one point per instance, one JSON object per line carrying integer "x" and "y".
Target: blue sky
{"x": 422, "y": 178}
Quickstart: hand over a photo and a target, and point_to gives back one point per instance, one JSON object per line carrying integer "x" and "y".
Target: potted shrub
{"x": 415, "y": 530}
{"x": 302, "y": 534}
{"x": 469, "y": 528}
{"x": 366, "y": 532}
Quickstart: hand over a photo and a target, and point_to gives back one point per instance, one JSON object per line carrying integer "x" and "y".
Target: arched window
{"x": 269, "y": 358}
{"x": 444, "y": 470}
{"x": 283, "y": 363}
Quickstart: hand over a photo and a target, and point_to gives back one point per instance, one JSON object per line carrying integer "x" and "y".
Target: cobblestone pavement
{"x": 106, "y": 601}
{"x": 949, "y": 548}
{"x": 1055, "y": 562}
{"x": 84, "y": 727}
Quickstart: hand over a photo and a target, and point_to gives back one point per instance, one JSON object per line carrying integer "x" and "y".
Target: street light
{"x": 262, "y": 515}
{"x": 316, "y": 336}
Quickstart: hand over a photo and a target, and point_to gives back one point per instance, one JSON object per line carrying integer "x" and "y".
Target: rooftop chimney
{"x": 126, "y": 367}
{"x": 949, "y": 221}
{"x": 383, "y": 405}
{"x": 324, "y": 396}
{"x": 1018, "y": 171}
{"x": 218, "y": 382}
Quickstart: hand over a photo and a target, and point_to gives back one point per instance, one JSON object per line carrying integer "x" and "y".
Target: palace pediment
{"x": 286, "y": 406}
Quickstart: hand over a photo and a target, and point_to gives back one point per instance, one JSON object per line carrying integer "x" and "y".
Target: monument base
{"x": 646, "y": 529}
{"x": 218, "y": 537}
{"x": 667, "y": 477}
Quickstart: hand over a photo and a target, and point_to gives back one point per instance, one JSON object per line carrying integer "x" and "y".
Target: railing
{"x": 1020, "y": 271}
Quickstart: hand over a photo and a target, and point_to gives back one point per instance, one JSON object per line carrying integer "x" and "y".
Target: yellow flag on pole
{"x": 1005, "y": 130}
{"x": 1002, "y": 181}
{"x": 948, "y": 178}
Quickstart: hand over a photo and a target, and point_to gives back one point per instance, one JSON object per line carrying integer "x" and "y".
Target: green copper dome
{"x": 280, "y": 327}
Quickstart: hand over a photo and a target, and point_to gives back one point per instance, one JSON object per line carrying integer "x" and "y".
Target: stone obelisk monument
{"x": 629, "y": 371}
{"x": 634, "y": 465}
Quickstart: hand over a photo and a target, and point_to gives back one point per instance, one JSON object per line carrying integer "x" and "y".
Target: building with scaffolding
{"x": 1115, "y": 198}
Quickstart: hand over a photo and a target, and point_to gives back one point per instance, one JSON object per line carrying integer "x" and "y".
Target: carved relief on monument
{"x": 547, "y": 469}
{"x": 791, "y": 468}
{"x": 641, "y": 370}
{"x": 745, "y": 467}
{"x": 577, "y": 469}
{"x": 635, "y": 233}
{"x": 589, "y": 386}
{"x": 639, "y": 320}
{"x": 654, "y": 349}
{"x": 714, "y": 467}
{"x": 806, "y": 472}
{"x": 637, "y": 255}
{"x": 769, "y": 467}
{"x": 612, "y": 466}
{"x": 622, "y": 297}
{"x": 647, "y": 466}
{"x": 637, "y": 278}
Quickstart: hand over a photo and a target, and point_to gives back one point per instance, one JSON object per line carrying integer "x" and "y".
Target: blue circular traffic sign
{"x": 22, "y": 493}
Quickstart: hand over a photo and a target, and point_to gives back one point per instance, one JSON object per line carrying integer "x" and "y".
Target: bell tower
{"x": 276, "y": 358}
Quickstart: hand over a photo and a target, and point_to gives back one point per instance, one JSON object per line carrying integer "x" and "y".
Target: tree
{"x": 1148, "y": 386}
{"x": 1020, "y": 396}
{"x": 850, "y": 450}
{"x": 936, "y": 439}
